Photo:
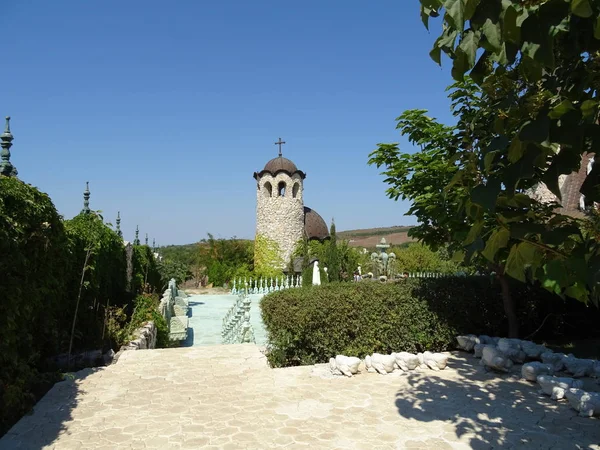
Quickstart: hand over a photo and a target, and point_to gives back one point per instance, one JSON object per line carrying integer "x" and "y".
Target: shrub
{"x": 34, "y": 263}
{"x": 146, "y": 309}
{"x": 310, "y": 325}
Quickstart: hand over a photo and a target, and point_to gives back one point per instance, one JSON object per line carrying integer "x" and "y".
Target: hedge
{"x": 41, "y": 262}
{"x": 310, "y": 325}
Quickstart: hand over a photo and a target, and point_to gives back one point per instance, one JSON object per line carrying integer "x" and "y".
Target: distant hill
{"x": 370, "y": 237}
{"x": 367, "y": 238}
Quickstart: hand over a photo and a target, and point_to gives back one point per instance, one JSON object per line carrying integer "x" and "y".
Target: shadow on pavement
{"x": 495, "y": 410}
{"x": 56, "y": 410}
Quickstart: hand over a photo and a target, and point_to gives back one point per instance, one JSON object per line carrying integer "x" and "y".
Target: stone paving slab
{"x": 227, "y": 397}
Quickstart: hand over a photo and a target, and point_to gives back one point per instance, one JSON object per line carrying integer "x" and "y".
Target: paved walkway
{"x": 206, "y": 318}
{"x": 226, "y": 397}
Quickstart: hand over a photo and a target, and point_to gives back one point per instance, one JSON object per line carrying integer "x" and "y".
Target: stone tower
{"x": 280, "y": 206}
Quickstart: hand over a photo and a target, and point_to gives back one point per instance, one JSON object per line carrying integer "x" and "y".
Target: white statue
{"x": 512, "y": 349}
{"x": 533, "y": 350}
{"x": 406, "y": 361}
{"x": 478, "y": 349}
{"x": 344, "y": 365}
{"x": 531, "y": 370}
{"x": 467, "y": 343}
{"x": 554, "y": 359}
{"x": 579, "y": 367}
{"x": 316, "y": 281}
{"x": 493, "y": 358}
{"x": 435, "y": 361}
{"x": 587, "y": 403}
{"x": 381, "y": 363}
{"x": 555, "y": 387}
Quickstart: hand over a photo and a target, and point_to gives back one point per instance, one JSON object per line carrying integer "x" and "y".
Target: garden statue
{"x": 383, "y": 263}
{"x": 555, "y": 387}
{"x": 344, "y": 365}
{"x": 316, "y": 280}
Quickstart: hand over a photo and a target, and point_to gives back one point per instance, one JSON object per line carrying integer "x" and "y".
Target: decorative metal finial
{"x": 119, "y": 232}
{"x": 279, "y": 142}
{"x": 154, "y": 245}
{"x": 6, "y": 167}
{"x": 146, "y": 238}
{"x": 86, "y": 199}
{"x": 137, "y": 235}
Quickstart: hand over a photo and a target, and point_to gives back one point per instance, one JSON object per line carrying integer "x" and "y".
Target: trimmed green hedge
{"x": 310, "y": 325}
{"x": 42, "y": 259}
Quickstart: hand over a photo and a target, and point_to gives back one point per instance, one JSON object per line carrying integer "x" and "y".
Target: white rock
{"x": 531, "y": 370}
{"x": 555, "y": 359}
{"x": 579, "y": 367}
{"x": 484, "y": 339}
{"x": 587, "y": 403}
{"x": 493, "y": 358}
{"x": 344, "y": 365}
{"x": 533, "y": 350}
{"x": 478, "y": 349}
{"x": 406, "y": 361}
{"x": 512, "y": 349}
{"x": 383, "y": 364}
{"x": 555, "y": 387}
{"x": 467, "y": 342}
{"x": 435, "y": 361}
{"x": 422, "y": 364}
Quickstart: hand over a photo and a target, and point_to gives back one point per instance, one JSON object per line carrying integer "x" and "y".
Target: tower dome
{"x": 314, "y": 225}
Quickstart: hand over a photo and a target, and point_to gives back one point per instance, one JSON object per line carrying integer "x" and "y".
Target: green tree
{"x": 332, "y": 257}
{"x": 537, "y": 64}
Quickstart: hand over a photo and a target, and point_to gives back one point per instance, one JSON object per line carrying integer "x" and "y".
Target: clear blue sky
{"x": 167, "y": 108}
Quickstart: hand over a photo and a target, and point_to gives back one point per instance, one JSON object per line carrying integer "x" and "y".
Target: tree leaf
{"x": 498, "y": 239}
{"x": 468, "y": 45}
{"x": 455, "y": 13}
{"x": 512, "y": 31}
{"x": 485, "y": 195}
{"x": 578, "y": 291}
{"x": 470, "y": 8}
{"x": 589, "y": 107}
{"x": 581, "y": 8}
{"x": 597, "y": 28}
{"x": 493, "y": 34}
{"x": 562, "y": 108}
{"x": 474, "y": 232}
{"x": 436, "y": 54}
{"x": 521, "y": 257}
{"x": 515, "y": 151}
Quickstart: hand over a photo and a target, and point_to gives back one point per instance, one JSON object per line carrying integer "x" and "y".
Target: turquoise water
{"x": 206, "y": 319}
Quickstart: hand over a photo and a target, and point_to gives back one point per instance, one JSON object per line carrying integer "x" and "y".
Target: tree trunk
{"x": 509, "y": 307}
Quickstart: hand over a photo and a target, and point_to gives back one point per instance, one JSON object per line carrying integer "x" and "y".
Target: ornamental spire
{"x": 154, "y": 245}
{"x": 86, "y": 199}
{"x": 137, "y": 235}
{"x": 6, "y": 138}
{"x": 146, "y": 238}
{"x": 119, "y": 232}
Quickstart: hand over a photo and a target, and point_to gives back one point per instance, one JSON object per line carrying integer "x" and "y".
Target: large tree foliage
{"x": 537, "y": 65}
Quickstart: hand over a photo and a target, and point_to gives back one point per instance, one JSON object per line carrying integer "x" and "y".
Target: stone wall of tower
{"x": 280, "y": 218}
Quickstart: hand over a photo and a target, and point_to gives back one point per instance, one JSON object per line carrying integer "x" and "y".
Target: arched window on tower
{"x": 268, "y": 191}
{"x": 295, "y": 190}
{"x": 281, "y": 188}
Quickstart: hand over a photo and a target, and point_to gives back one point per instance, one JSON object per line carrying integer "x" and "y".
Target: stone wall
{"x": 280, "y": 219}
{"x": 144, "y": 338}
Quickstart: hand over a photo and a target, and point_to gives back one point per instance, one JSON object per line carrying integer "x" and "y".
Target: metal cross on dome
{"x": 279, "y": 142}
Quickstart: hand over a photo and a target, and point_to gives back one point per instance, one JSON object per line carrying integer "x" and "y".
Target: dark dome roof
{"x": 280, "y": 163}
{"x": 314, "y": 225}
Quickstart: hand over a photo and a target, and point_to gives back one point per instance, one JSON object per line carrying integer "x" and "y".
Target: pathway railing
{"x": 265, "y": 285}
{"x": 236, "y": 323}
